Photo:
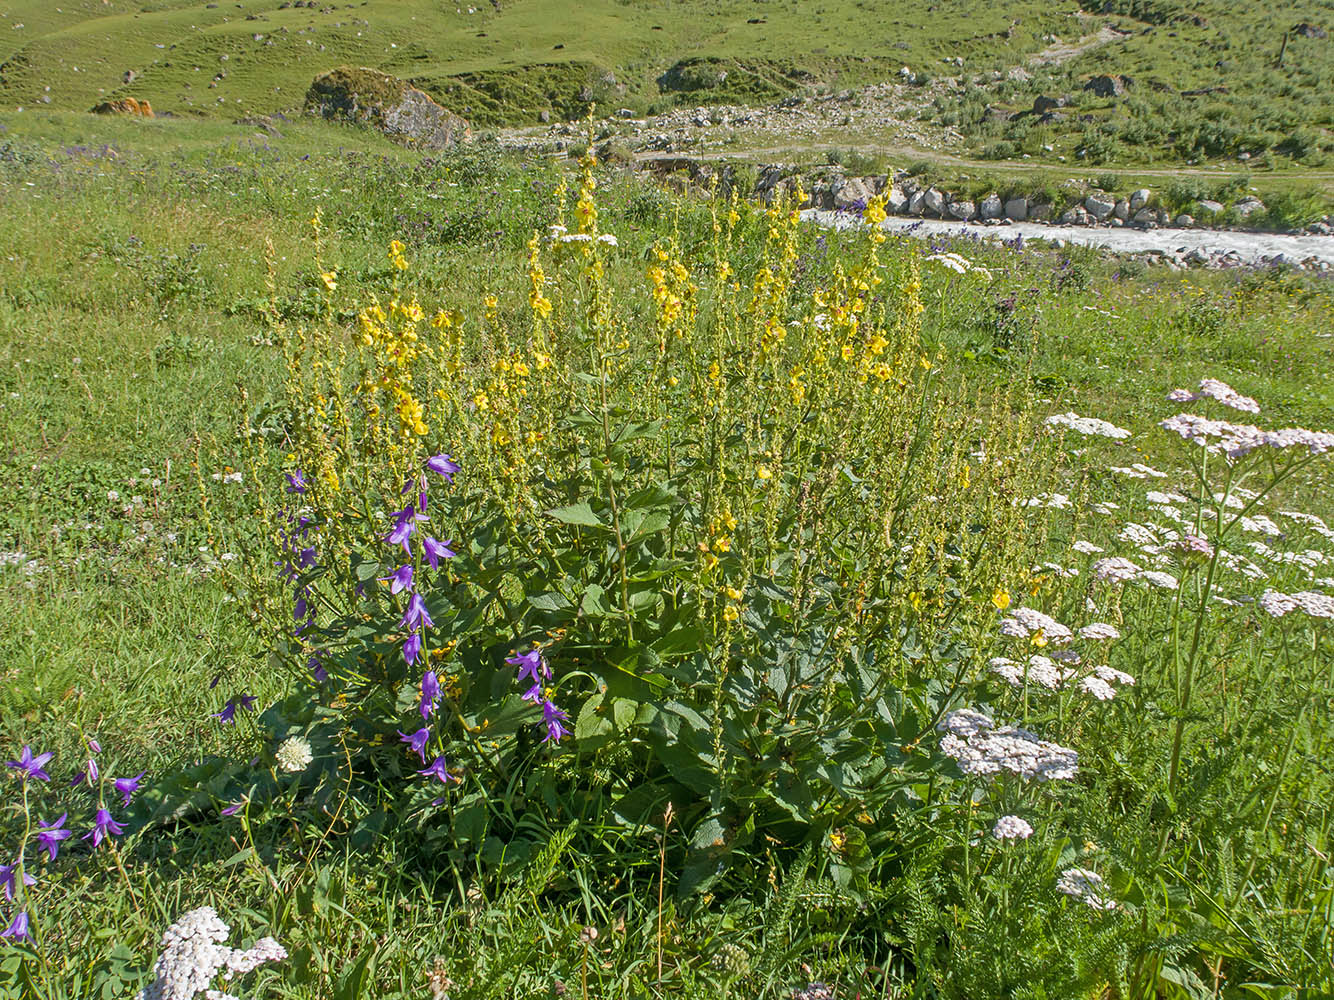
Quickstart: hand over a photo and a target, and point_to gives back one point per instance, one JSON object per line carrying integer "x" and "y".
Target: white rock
{"x": 1099, "y": 206}
{"x": 991, "y": 207}
{"x": 1122, "y": 209}
{"x": 1139, "y": 199}
{"x": 1210, "y": 207}
{"x": 1017, "y": 209}
{"x": 934, "y": 201}
{"x": 964, "y": 210}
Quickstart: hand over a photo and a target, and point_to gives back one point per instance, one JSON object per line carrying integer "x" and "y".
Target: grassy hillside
{"x": 501, "y": 61}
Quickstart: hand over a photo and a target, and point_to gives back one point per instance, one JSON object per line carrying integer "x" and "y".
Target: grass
{"x": 133, "y": 282}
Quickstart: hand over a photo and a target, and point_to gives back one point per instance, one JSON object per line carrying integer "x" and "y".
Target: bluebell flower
{"x": 50, "y": 836}
{"x": 399, "y": 579}
{"x": 31, "y": 766}
{"x": 553, "y": 717}
{"x": 444, "y": 466}
{"x": 416, "y": 615}
{"x": 8, "y": 875}
{"x": 18, "y": 930}
{"x": 128, "y": 786}
{"x": 103, "y": 826}
{"x": 296, "y": 482}
{"x": 437, "y": 770}
{"x": 435, "y": 551}
{"x": 417, "y": 741}
{"x": 412, "y": 646}
{"x": 430, "y": 693}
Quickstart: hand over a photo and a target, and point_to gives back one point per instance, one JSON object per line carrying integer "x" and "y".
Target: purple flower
{"x": 553, "y": 717}
{"x": 93, "y": 774}
{"x": 78, "y": 779}
{"x": 533, "y": 694}
{"x": 307, "y": 557}
{"x": 317, "y": 670}
{"x": 32, "y": 766}
{"x": 435, "y": 551}
{"x": 103, "y": 826}
{"x": 412, "y": 646}
{"x": 228, "y": 713}
{"x": 399, "y": 579}
{"x": 234, "y": 808}
{"x": 50, "y": 836}
{"x": 430, "y": 693}
{"x": 248, "y": 699}
{"x": 416, "y": 615}
{"x": 18, "y": 930}
{"x": 531, "y": 664}
{"x": 8, "y": 873}
{"x": 444, "y": 466}
{"x": 402, "y": 531}
{"x": 437, "y": 769}
{"x": 94, "y": 746}
{"x": 417, "y": 741}
{"x": 296, "y": 482}
{"x": 128, "y": 786}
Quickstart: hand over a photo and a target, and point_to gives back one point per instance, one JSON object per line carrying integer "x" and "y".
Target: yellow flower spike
{"x": 730, "y": 613}
{"x": 763, "y": 472}
{"x": 733, "y": 593}
{"x": 330, "y": 279}
{"x": 1000, "y": 598}
{"x": 915, "y": 599}
{"x": 723, "y": 544}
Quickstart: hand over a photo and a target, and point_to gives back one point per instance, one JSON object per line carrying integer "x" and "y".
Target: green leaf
{"x": 576, "y": 513}
{"x": 594, "y": 603}
{"x": 623, "y": 711}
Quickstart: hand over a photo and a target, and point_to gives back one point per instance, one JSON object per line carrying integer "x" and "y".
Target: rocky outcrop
{"x": 1109, "y": 85}
{"x": 369, "y": 97}
{"x": 125, "y": 106}
{"x": 1099, "y": 206}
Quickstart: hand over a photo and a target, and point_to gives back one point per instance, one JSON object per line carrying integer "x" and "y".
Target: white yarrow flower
{"x": 1011, "y": 828}
{"x": 1087, "y": 425}
{"x": 1085, "y": 886}
{"x": 294, "y": 755}
{"x": 193, "y": 954}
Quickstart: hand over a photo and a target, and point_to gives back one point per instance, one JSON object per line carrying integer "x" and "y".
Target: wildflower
{"x": 18, "y": 930}
{"x": 417, "y": 741}
{"x": 1011, "y": 828}
{"x": 1098, "y": 687}
{"x": 1040, "y": 670}
{"x": 980, "y": 751}
{"x": 193, "y": 954}
{"x": 416, "y": 616}
{"x": 531, "y": 664}
{"x": 763, "y": 472}
{"x": 1113, "y": 676}
{"x": 553, "y": 717}
{"x": 1212, "y": 388}
{"x": 438, "y": 770}
{"x": 435, "y": 551}
{"x": 103, "y": 826}
{"x": 32, "y": 767}
{"x": 1087, "y": 425}
{"x": 1000, "y": 598}
{"x": 1192, "y": 549}
{"x": 1115, "y": 569}
{"x": 50, "y": 836}
{"x": 8, "y": 875}
{"x": 1164, "y": 580}
{"x": 1099, "y": 630}
{"x": 412, "y": 646}
{"x": 1085, "y": 886}
{"x": 965, "y": 722}
{"x": 399, "y": 579}
{"x": 296, "y": 482}
{"x": 294, "y": 755}
{"x": 444, "y": 466}
{"x": 127, "y": 787}
{"x": 430, "y": 693}
{"x": 1024, "y": 623}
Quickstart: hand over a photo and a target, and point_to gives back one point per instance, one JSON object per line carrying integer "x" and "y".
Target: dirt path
{"x": 1059, "y": 52}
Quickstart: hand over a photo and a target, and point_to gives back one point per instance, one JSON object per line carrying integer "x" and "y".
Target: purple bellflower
{"x": 94, "y": 746}
{"x": 18, "y": 930}
{"x": 417, "y": 741}
{"x": 443, "y": 465}
{"x": 430, "y": 693}
{"x": 412, "y": 647}
{"x": 128, "y": 786}
{"x": 399, "y": 579}
{"x": 531, "y": 664}
{"x": 8, "y": 874}
{"x": 317, "y": 670}
{"x": 50, "y": 836}
{"x": 103, "y": 826}
{"x": 437, "y": 770}
{"x": 435, "y": 551}
{"x": 296, "y": 482}
{"x": 31, "y": 766}
{"x": 416, "y": 616}
{"x": 553, "y": 717}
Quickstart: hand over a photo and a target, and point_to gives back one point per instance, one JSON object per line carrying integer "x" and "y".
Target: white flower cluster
{"x": 1138, "y": 471}
{"x": 1212, "y": 388}
{"x": 1317, "y": 605}
{"x": 1098, "y": 631}
{"x": 959, "y": 264}
{"x": 981, "y": 751}
{"x": 1315, "y": 523}
{"x": 1115, "y": 569}
{"x": 294, "y": 755}
{"x": 1085, "y": 886}
{"x": 193, "y": 954}
{"x": 1087, "y": 425}
{"x": 1238, "y": 440}
{"x": 1087, "y": 548}
{"x": 1011, "y": 828}
{"x": 1040, "y": 670}
{"x": 1024, "y": 622}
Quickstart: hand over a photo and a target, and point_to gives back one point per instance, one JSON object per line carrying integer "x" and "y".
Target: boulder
{"x": 851, "y": 192}
{"x": 1145, "y": 216}
{"x": 369, "y": 97}
{"x": 1249, "y": 206}
{"x": 1040, "y": 212}
{"x": 963, "y": 210}
{"x": 1077, "y": 216}
{"x": 1207, "y": 207}
{"x": 1042, "y": 104}
{"x": 1164, "y": 217}
{"x": 1017, "y": 209}
{"x": 1099, "y": 206}
{"x": 934, "y": 201}
{"x": 1122, "y": 209}
{"x": 917, "y": 203}
{"x": 125, "y": 106}
{"x": 895, "y": 201}
{"x": 1109, "y": 85}
{"x": 1309, "y": 30}
{"x": 991, "y": 207}
{"x": 1139, "y": 199}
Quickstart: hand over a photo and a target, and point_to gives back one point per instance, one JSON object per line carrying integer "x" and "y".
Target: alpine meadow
{"x": 648, "y": 499}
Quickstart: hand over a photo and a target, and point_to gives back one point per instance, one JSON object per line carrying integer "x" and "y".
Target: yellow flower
{"x": 723, "y": 544}
{"x": 733, "y": 593}
{"x": 1038, "y": 639}
{"x": 1000, "y": 598}
{"x": 730, "y": 613}
{"x": 764, "y": 472}
{"x": 329, "y": 279}
{"x": 915, "y": 599}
